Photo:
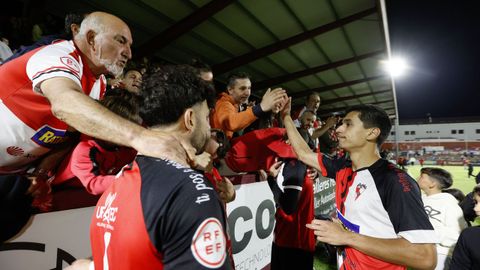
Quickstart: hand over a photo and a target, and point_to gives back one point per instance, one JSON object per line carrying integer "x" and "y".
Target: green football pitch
{"x": 459, "y": 174}
{"x": 460, "y": 181}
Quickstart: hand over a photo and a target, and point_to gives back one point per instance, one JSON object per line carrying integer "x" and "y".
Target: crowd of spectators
{"x": 89, "y": 135}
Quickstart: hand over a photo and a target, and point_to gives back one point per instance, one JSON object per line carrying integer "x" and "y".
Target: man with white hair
{"x": 51, "y": 91}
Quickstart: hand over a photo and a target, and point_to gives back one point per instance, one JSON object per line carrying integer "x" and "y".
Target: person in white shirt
{"x": 5, "y": 51}
{"x": 443, "y": 211}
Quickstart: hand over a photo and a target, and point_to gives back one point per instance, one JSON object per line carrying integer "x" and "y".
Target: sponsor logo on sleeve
{"x": 70, "y": 63}
{"x": 20, "y": 152}
{"x": 49, "y": 137}
{"x": 209, "y": 244}
{"x": 15, "y": 151}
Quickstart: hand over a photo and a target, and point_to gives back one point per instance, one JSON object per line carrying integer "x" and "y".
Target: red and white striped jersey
{"x": 379, "y": 201}
{"x": 29, "y": 127}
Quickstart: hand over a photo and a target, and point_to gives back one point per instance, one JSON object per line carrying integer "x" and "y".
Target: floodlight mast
{"x": 383, "y": 10}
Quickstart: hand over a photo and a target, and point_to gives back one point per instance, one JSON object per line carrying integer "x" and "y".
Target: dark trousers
{"x": 290, "y": 258}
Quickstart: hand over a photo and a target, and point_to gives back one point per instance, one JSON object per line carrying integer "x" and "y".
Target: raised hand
{"x": 274, "y": 170}
{"x": 272, "y": 99}
{"x": 287, "y": 108}
{"x": 331, "y": 121}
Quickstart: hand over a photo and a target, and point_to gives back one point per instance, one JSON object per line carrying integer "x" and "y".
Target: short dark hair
{"x": 123, "y": 103}
{"x": 169, "y": 91}
{"x": 235, "y": 76}
{"x": 72, "y": 18}
{"x": 312, "y": 94}
{"x": 373, "y": 116}
{"x": 200, "y": 65}
{"x": 439, "y": 175}
{"x": 131, "y": 68}
{"x": 476, "y": 189}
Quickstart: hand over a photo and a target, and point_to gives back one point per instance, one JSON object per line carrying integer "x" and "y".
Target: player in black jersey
{"x": 161, "y": 213}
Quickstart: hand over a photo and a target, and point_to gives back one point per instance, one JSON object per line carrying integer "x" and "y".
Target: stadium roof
{"x": 332, "y": 47}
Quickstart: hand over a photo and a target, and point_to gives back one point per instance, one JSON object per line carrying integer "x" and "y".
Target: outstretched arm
{"x": 331, "y": 121}
{"x": 299, "y": 145}
{"x": 81, "y": 112}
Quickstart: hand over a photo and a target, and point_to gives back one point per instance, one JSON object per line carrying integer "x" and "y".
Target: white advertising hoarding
{"x": 251, "y": 219}
{"x": 53, "y": 240}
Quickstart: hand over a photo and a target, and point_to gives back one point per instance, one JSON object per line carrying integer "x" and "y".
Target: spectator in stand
{"x": 312, "y": 103}
{"x": 291, "y": 183}
{"x": 5, "y": 51}
{"x": 294, "y": 244}
{"x": 328, "y": 141}
{"x": 205, "y": 71}
{"x": 50, "y": 91}
{"x": 226, "y": 115}
{"x": 307, "y": 121}
{"x": 466, "y": 255}
{"x": 318, "y": 129}
{"x": 381, "y": 223}
{"x": 131, "y": 80}
{"x": 95, "y": 162}
{"x": 222, "y": 185}
{"x": 443, "y": 211}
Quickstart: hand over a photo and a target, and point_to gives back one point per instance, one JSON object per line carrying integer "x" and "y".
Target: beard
{"x": 111, "y": 67}
{"x": 200, "y": 143}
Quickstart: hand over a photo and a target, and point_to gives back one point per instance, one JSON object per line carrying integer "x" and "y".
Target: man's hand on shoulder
{"x": 159, "y": 144}
{"x": 202, "y": 162}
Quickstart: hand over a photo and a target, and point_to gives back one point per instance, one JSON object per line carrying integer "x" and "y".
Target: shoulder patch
{"x": 209, "y": 244}
{"x": 70, "y": 63}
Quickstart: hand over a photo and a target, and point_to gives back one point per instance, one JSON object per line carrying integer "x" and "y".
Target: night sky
{"x": 440, "y": 40}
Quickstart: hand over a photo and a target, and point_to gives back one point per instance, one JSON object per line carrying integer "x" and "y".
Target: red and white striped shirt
{"x": 29, "y": 128}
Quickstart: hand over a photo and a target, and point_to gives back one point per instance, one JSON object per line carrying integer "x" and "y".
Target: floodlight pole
{"x": 383, "y": 10}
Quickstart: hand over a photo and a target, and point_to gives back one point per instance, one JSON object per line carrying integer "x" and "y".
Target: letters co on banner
{"x": 251, "y": 219}
{"x": 54, "y": 240}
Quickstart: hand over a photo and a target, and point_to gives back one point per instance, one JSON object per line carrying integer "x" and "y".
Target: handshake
{"x": 274, "y": 100}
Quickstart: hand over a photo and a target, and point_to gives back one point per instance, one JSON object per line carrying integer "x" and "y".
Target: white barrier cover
{"x": 251, "y": 219}
{"x": 50, "y": 241}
